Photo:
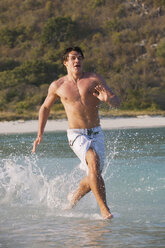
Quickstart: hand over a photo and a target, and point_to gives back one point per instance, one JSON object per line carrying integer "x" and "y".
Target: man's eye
{"x": 74, "y": 57}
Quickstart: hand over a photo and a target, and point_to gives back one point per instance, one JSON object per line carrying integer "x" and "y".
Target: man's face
{"x": 74, "y": 62}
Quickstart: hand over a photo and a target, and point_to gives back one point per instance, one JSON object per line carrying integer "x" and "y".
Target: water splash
{"x": 23, "y": 182}
{"x": 112, "y": 152}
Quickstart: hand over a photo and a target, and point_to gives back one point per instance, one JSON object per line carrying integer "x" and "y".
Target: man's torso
{"x": 77, "y": 97}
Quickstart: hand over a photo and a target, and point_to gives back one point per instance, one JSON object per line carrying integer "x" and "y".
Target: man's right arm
{"x": 44, "y": 114}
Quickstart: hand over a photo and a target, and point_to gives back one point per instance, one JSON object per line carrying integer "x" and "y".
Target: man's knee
{"x": 84, "y": 186}
{"x": 93, "y": 161}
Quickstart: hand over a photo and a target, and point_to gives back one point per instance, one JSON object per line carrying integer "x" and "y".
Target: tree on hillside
{"x": 58, "y": 29}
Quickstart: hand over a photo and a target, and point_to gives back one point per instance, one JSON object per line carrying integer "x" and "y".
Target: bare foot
{"x": 106, "y": 214}
{"x": 107, "y": 217}
{"x": 72, "y": 201}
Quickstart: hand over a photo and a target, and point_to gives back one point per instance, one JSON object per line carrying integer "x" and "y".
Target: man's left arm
{"x": 105, "y": 94}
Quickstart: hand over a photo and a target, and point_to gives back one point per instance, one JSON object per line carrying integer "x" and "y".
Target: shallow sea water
{"x": 34, "y": 189}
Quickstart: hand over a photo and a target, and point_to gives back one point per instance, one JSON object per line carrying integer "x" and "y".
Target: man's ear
{"x": 65, "y": 62}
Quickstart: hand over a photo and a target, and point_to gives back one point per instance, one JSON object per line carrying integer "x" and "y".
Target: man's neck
{"x": 75, "y": 77}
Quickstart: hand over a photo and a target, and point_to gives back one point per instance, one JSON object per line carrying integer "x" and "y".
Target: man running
{"x": 81, "y": 93}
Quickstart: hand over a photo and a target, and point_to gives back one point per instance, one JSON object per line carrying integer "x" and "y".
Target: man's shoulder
{"x": 57, "y": 83}
{"x": 92, "y": 75}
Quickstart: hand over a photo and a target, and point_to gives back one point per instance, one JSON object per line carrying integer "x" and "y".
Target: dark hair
{"x": 70, "y": 49}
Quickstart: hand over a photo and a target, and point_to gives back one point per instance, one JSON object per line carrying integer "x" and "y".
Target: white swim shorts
{"x": 80, "y": 140}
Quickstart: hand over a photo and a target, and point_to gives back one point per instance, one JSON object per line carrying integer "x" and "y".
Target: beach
{"x": 21, "y": 126}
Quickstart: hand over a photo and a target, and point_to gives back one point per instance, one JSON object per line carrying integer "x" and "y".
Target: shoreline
{"x": 31, "y": 126}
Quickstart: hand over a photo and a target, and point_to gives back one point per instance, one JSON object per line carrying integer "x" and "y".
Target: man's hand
{"x": 36, "y": 142}
{"x": 106, "y": 95}
{"x": 101, "y": 93}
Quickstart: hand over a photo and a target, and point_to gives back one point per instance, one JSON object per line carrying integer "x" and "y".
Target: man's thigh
{"x": 93, "y": 160}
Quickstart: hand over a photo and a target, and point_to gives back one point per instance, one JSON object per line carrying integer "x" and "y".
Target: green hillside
{"x": 122, "y": 40}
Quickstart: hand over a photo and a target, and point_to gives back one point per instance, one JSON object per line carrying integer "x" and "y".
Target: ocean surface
{"x": 34, "y": 189}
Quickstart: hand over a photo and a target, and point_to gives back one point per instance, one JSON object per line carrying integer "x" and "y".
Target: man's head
{"x": 72, "y": 59}
{"x": 70, "y": 49}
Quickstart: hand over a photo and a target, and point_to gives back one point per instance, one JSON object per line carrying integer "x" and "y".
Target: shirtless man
{"x": 81, "y": 93}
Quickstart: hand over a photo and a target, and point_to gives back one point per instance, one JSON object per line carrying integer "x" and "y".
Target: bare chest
{"x": 81, "y": 92}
